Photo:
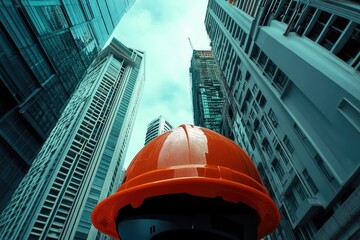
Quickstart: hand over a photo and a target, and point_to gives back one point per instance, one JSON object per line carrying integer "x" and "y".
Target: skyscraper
{"x": 206, "y": 89}
{"x": 293, "y": 86}
{"x": 81, "y": 161}
{"x": 157, "y": 127}
{"x": 45, "y": 49}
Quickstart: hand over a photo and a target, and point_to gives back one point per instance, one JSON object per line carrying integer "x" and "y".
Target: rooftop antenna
{"x": 192, "y": 47}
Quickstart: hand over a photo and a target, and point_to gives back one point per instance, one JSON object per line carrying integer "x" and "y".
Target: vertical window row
{"x": 248, "y": 6}
{"x": 315, "y": 155}
{"x": 295, "y": 195}
{"x": 350, "y": 52}
{"x": 291, "y": 205}
{"x": 83, "y": 146}
{"x": 310, "y": 182}
{"x": 335, "y": 33}
{"x": 282, "y": 10}
{"x": 282, "y": 154}
{"x": 278, "y": 78}
{"x": 234, "y": 29}
{"x": 272, "y": 117}
{"x": 319, "y": 26}
{"x": 279, "y": 170}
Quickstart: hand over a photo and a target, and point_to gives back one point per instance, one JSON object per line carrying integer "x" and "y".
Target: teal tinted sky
{"x": 161, "y": 28}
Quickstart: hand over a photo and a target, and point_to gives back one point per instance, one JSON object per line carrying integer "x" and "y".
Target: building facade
{"x": 293, "y": 103}
{"x": 82, "y": 160}
{"x": 206, "y": 91}
{"x": 45, "y": 49}
{"x": 157, "y": 127}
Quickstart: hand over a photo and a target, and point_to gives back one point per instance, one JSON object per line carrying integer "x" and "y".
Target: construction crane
{"x": 192, "y": 47}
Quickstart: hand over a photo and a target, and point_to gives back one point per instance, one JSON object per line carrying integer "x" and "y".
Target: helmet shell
{"x": 192, "y": 160}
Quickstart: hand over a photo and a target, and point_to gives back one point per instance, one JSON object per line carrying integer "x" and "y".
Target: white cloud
{"x": 161, "y": 28}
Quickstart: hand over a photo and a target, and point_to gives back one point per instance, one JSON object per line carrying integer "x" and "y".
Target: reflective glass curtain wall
{"x": 45, "y": 49}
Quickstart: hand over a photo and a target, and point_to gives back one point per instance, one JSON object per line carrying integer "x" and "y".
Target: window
{"x": 275, "y": 6}
{"x": 310, "y": 181}
{"x": 280, "y": 80}
{"x": 310, "y": 13}
{"x": 334, "y": 32}
{"x": 273, "y": 118}
{"x": 266, "y": 124}
{"x": 252, "y": 114}
{"x": 350, "y": 112}
{"x": 300, "y": 190}
{"x": 319, "y": 26}
{"x": 267, "y": 147}
{"x": 261, "y": 99}
{"x": 306, "y": 230}
{"x": 282, "y": 154}
{"x": 324, "y": 168}
{"x": 255, "y": 88}
{"x": 243, "y": 38}
{"x": 288, "y": 144}
{"x": 47, "y": 18}
{"x": 252, "y": 143}
{"x": 262, "y": 59}
{"x": 299, "y": 132}
{"x": 282, "y": 11}
{"x": 308, "y": 145}
{"x": 289, "y": 12}
{"x": 247, "y": 76}
{"x": 291, "y": 203}
{"x": 351, "y": 48}
{"x": 255, "y": 52}
{"x": 248, "y": 96}
{"x": 260, "y": 133}
{"x": 278, "y": 168}
{"x": 270, "y": 68}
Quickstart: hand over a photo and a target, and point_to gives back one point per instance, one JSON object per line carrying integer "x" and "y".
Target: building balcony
{"x": 288, "y": 180}
{"x": 308, "y": 208}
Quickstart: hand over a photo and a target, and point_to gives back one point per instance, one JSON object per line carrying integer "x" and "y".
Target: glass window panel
{"x": 310, "y": 181}
{"x": 352, "y": 47}
{"x": 319, "y": 26}
{"x": 74, "y": 11}
{"x": 47, "y": 18}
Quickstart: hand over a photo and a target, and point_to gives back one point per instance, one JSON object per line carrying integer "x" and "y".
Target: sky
{"x": 161, "y": 29}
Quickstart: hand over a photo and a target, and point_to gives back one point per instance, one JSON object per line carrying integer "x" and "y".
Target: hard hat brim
{"x": 246, "y": 191}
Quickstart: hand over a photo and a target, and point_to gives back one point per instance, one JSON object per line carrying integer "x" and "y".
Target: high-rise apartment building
{"x": 45, "y": 49}
{"x": 82, "y": 159}
{"x": 207, "y": 95}
{"x": 157, "y": 127}
{"x": 293, "y": 92}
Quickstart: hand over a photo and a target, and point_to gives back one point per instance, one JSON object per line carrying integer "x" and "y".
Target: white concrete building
{"x": 81, "y": 161}
{"x": 157, "y": 127}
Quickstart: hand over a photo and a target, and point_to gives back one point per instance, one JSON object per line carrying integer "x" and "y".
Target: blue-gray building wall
{"x": 294, "y": 107}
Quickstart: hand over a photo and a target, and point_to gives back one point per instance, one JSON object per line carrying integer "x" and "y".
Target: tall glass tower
{"x": 82, "y": 159}
{"x": 157, "y": 127}
{"x": 206, "y": 90}
{"x": 293, "y": 103}
{"x": 45, "y": 49}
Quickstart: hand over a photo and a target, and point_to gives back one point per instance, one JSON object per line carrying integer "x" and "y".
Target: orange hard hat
{"x": 195, "y": 161}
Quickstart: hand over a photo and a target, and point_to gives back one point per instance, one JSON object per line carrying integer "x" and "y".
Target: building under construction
{"x": 207, "y": 96}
